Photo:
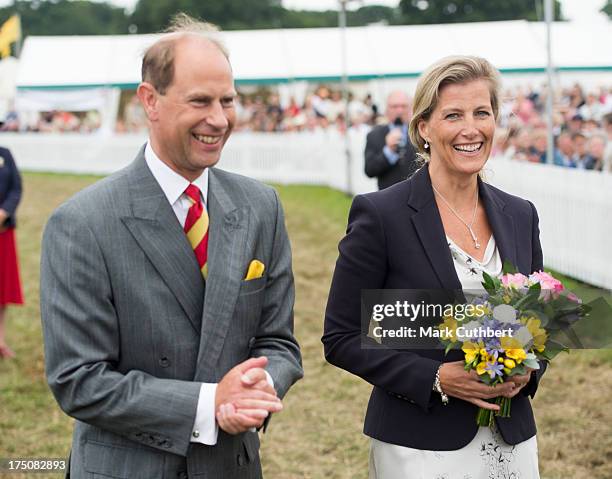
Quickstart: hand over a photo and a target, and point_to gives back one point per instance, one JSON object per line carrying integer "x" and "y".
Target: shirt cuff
{"x": 269, "y": 378}
{"x": 390, "y": 155}
{"x": 205, "y": 427}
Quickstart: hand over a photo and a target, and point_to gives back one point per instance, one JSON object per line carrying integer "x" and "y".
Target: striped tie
{"x": 196, "y": 227}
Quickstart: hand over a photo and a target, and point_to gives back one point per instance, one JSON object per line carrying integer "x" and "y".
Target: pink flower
{"x": 574, "y": 298}
{"x": 547, "y": 281}
{"x": 516, "y": 281}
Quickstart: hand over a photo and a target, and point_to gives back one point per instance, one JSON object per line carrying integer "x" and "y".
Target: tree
{"x": 64, "y": 17}
{"x": 459, "y": 11}
{"x": 607, "y": 9}
{"x": 153, "y": 15}
{"x": 374, "y": 14}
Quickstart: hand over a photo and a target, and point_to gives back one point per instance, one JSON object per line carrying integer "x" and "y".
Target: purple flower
{"x": 495, "y": 369}
{"x": 493, "y": 346}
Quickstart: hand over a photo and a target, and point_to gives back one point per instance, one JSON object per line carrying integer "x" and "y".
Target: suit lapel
{"x": 227, "y": 264}
{"x": 158, "y": 232}
{"x": 430, "y": 230}
{"x": 501, "y": 223}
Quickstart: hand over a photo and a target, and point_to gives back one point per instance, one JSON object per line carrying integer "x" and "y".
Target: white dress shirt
{"x": 205, "y": 427}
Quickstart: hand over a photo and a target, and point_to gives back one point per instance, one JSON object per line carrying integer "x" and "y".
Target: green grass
{"x": 318, "y": 435}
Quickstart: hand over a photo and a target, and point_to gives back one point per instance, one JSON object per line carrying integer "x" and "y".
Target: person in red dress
{"x": 10, "y": 283}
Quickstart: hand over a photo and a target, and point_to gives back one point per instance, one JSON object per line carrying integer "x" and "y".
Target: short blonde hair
{"x": 158, "y": 61}
{"x": 448, "y": 71}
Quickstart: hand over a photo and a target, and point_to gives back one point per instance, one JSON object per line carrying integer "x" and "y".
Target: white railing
{"x": 575, "y": 207}
{"x": 575, "y": 210}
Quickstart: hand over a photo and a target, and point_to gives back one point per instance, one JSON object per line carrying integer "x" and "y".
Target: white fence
{"x": 575, "y": 210}
{"x": 575, "y": 206}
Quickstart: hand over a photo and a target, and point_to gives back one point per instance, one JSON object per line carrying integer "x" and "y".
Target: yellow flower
{"x": 510, "y": 342}
{"x": 517, "y": 354}
{"x": 481, "y": 368}
{"x": 506, "y": 298}
{"x": 509, "y": 363}
{"x": 491, "y": 358}
{"x": 539, "y": 334}
{"x": 471, "y": 351}
{"x": 450, "y": 325}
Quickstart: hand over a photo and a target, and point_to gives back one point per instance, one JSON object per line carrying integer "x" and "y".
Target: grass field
{"x": 318, "y": 435}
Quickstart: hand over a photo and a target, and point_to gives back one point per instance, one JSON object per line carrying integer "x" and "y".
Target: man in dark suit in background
{"x": 389, "y": 155}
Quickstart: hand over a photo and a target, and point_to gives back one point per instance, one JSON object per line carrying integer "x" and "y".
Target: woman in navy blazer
{"x": 437, "y": 230}
{"x": 10, "y": 284}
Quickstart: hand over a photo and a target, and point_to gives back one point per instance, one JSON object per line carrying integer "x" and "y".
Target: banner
{"x": 10, "y": 32}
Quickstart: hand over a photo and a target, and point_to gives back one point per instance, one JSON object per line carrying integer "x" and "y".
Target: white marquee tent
{"x": 280, "y": 56}
{"x": 62, "y": 71}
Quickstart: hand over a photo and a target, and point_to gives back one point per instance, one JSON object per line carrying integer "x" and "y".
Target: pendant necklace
{"x": 467, "y": 225}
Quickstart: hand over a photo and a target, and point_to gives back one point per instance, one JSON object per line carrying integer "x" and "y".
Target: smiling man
{"x": 167, "y": 291}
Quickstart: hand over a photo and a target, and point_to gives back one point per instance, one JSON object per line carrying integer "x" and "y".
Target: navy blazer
{"x": 395, "y": 240}
{"x": 10, "y": 186}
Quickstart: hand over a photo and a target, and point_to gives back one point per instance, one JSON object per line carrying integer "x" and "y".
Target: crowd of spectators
{"x": 322, "y": 109}
{"x": 56, "y": 121}
{"x": 582, "y": 121}
{"x": 582, "y": 128}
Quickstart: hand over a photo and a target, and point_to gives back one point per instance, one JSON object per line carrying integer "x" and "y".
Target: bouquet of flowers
{"x": 516, "y": 323}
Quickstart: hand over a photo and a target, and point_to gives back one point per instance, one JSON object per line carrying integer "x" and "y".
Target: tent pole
{"x": 548, "y": 16}
{"x": 344, "y": 87}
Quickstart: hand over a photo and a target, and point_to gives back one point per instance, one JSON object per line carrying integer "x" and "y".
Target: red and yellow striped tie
{"x": 196, "y": 227}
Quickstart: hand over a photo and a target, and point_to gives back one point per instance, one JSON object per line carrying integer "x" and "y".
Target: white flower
{"x": 523, "y": 336}
{"x": 531, "y": 361}
{"x": 505, "y": 313}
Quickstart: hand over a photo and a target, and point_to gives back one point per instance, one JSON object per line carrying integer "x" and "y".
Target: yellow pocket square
{"x": 256, "y": 270}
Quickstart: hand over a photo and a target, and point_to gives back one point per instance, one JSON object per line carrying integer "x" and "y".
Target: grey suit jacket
{"x": 131, "y": 328}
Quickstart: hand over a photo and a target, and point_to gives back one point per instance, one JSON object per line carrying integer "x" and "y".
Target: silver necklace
{"x": 467, "y": 225}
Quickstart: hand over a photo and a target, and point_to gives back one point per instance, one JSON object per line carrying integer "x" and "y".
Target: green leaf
{"x": 509, "y": 268}
{"x": 488, "y": 283}
{"x": 553, "y": 348}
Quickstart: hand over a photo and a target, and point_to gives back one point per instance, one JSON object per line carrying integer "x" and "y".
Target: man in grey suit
{"x": 169, "y": 353}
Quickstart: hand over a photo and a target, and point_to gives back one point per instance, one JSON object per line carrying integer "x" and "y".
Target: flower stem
{"x": 504, "y": 406}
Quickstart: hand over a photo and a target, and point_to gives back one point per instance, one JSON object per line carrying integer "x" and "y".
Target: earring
{"x": 426, "y": 145}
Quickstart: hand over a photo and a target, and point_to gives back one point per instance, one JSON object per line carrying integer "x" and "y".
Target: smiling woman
{"x": 453, "y": 126}
{"x": 453, "y": 228}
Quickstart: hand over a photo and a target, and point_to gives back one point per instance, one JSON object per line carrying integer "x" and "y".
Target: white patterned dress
{"x": 487, "y": 456}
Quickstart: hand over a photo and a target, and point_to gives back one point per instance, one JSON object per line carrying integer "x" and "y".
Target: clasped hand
{"x": 244, "y": 398}
{"x": 457, "y": 382}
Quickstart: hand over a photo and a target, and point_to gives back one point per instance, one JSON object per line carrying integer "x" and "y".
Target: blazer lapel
{"x": 501, "y": 223}
{"x": 430, "y": 230}
{"x": 227, "y": 261}
{"x": 159, "y": 234}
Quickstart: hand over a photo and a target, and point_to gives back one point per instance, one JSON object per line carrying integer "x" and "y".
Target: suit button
{"x": 164, "y": 362}
{"x": 251, "y": 343}
{"x": 182, "y": 475}
{"x": 241, "y": 460}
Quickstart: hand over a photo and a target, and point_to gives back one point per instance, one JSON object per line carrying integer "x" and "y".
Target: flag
{"x": 10, "y": 32}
